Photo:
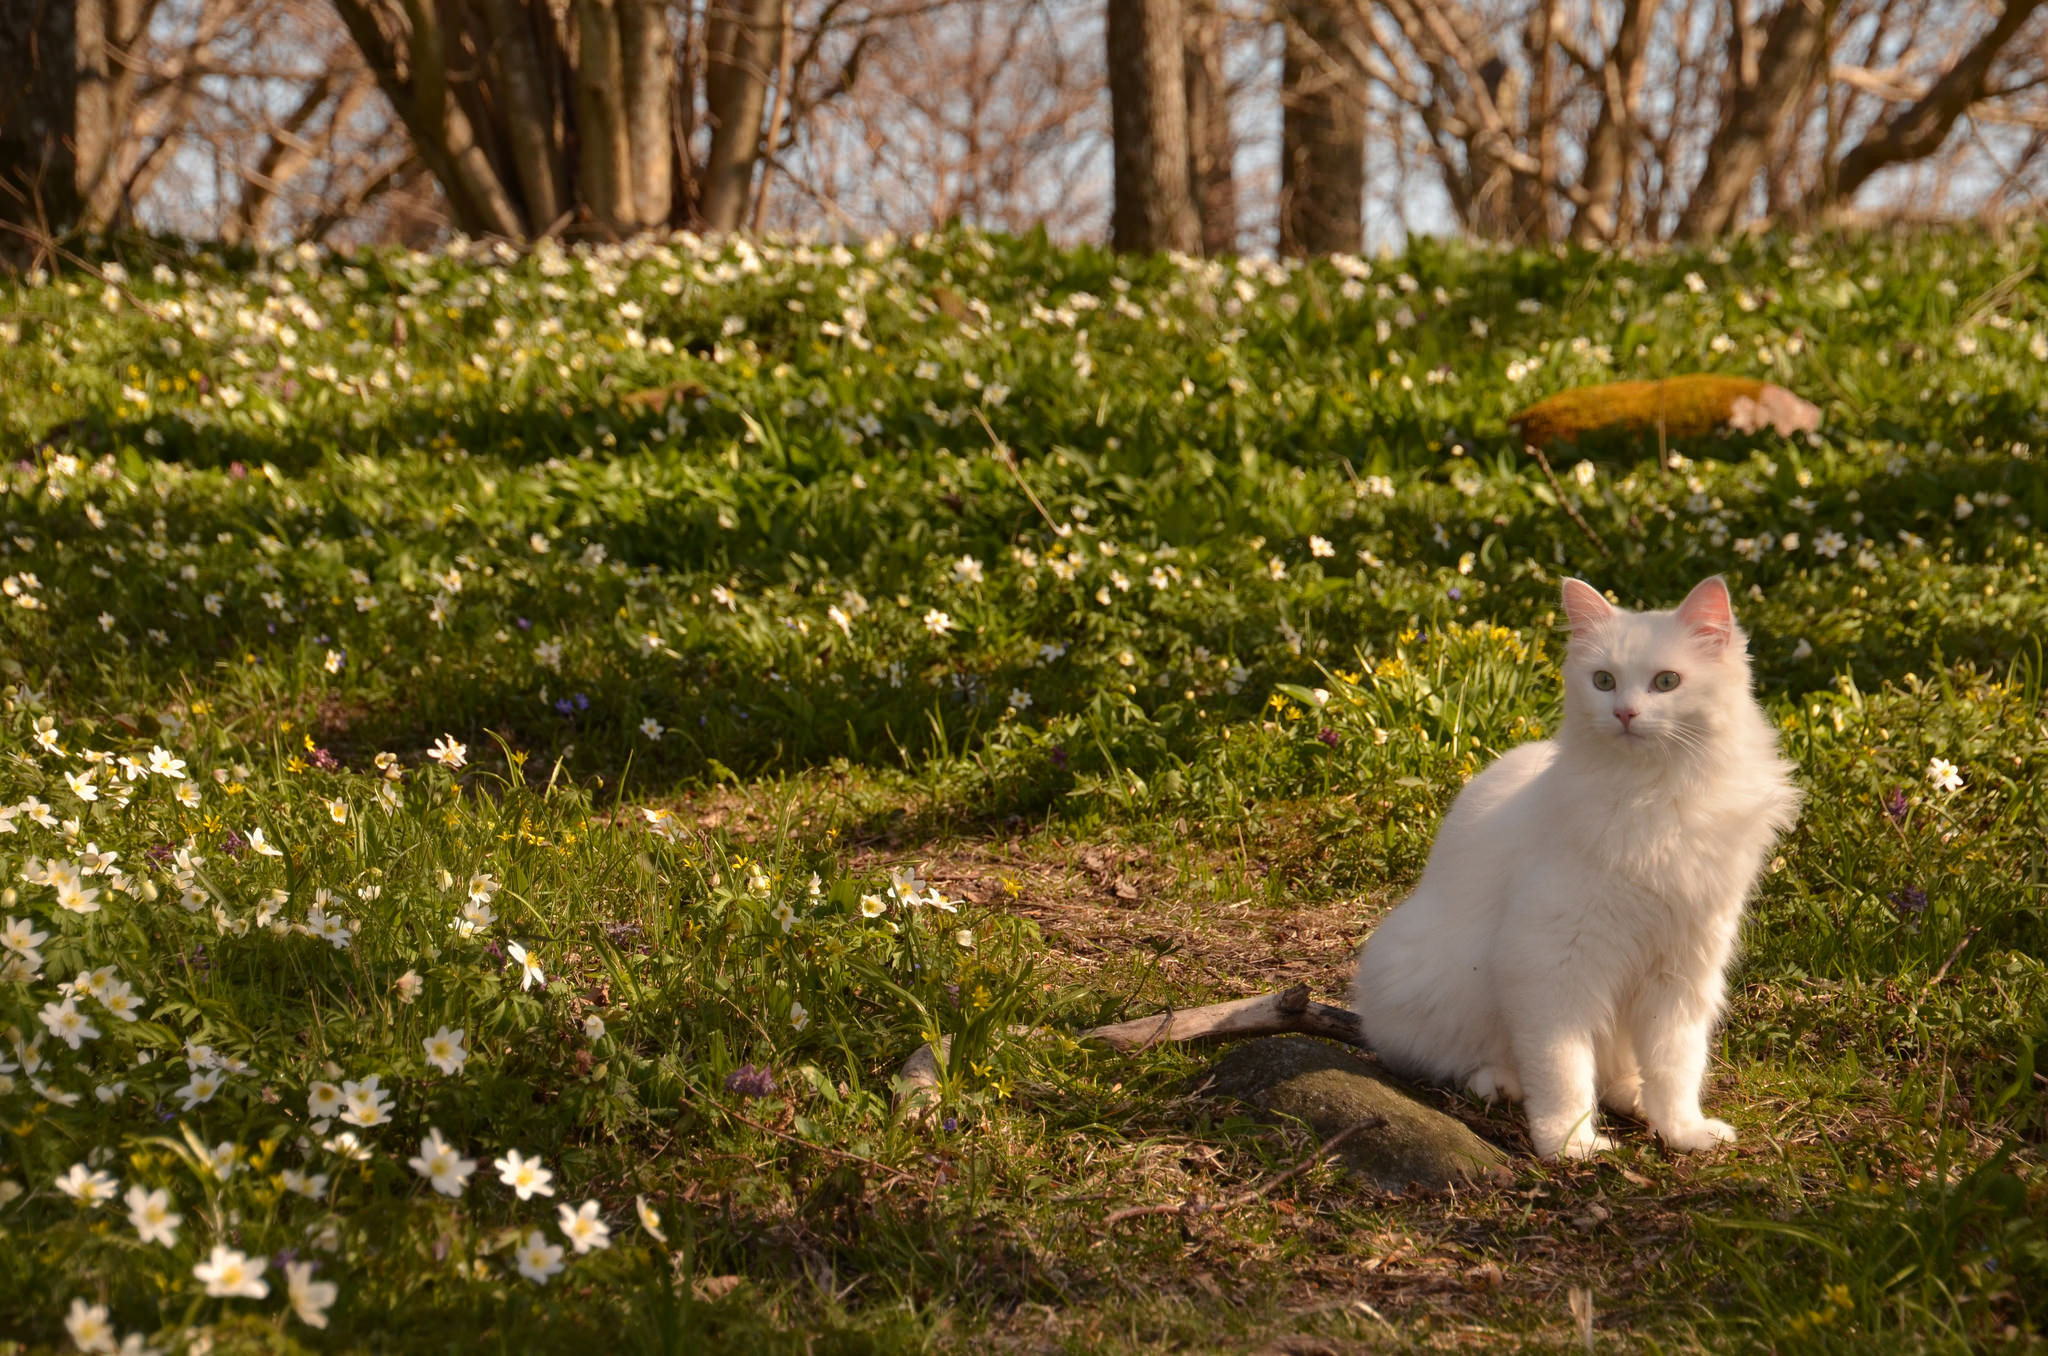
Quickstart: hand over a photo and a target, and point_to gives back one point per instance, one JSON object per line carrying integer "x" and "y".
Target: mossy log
{"x": 1681, "y": 407}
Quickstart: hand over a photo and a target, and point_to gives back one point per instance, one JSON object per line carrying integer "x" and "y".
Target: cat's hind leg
{"x": 1495, "y": 1080}
{"x": 1619, "y": 1074}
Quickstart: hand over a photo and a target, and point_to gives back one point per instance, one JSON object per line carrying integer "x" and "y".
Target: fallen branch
{"x": 1288, "y": 1012}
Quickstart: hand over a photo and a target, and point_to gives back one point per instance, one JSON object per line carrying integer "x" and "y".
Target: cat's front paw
{"x": 1701, "y": 1134}
{"x": 1587, "y": 1147}
{"x": 1580, "y": 1141}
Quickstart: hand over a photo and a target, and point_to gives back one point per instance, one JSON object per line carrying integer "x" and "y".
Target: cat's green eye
{"x": 1603, "y": 680}
{"x": 1665, "y": 681}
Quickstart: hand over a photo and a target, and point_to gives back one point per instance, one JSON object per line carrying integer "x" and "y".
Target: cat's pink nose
{"x": 1624, "y": 715}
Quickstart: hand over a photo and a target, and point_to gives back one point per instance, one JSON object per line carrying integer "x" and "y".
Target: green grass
{"x": 707, "y": 560}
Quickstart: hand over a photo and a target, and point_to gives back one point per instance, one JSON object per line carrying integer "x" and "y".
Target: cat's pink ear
{"x": 1585, "y": 607}
{"x": 1708, "y": 614}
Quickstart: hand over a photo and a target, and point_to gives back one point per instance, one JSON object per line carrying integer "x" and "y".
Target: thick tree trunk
{"x": 1322, "y": 137}
{"x": 604, "y": 153}
{"x": 1607, "y": 146}
{"x": 1154, "y": 209}
{"x": 532, "y": 124}
{"x": 38, "y": 114}
{"x": 743, "y": 39}
{"x": 1921, "y": 127}
{"x": 1794, "y": 52}
{"x": 1211, "y": 147}
{"x": 650, "y": 62}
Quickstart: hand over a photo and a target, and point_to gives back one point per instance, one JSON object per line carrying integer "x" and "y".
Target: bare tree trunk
{"x": 1322, "y": 137}
{"x": 743, "y": 38}
{"x": 1919, "y": 129}
{"x": 532, "y": 129}
{"x": 604, "y": 152}
{"x": 39, "y": 82}
{"x": 1154, "y": 209}
{"x": 1211, "y": 147}
{"x": 1793, "y": 54}
{"x": 1607, "y": 146}
{"x": 650, "y": 61}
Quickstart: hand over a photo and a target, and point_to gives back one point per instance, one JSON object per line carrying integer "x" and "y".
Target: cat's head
{"x": 1654, "y": 682}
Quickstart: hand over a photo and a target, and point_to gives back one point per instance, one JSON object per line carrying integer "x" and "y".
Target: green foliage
{"x": 982, "y": 535}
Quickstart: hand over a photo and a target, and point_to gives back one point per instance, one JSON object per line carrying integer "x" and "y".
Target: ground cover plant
{"x": 505, "y": 756}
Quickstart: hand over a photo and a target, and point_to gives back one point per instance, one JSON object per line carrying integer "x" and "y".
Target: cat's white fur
{"x": 1567, "y": 943}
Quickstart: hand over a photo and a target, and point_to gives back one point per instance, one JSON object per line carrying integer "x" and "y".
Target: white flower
{"x": 525, "y": 1176}
{"x": 346, "y": 1146}
{"x": 81, "y": 785}
{"x": 221, "y": 1159}
{"x": 164, "y": 764}
{"x": 538, "y": 1259}
{"x": 262, "y": 848}
{"x": 873, "y": 906}
{"x": 1944, "y": 775}
{"x": 408, "y": 986}
{"x": 652, "y": 728}
{"x": 67, "y": 1023}
{"x": 967, "y": 570}
{"x": 965, "y": 938}
{"x": 229, "y": 1274}
{"x": 368, "y": 1104}
{"x": 529, "y": 966}
{"x": 310, "y": 1299}
{"x": 337, "y": 810}
{"x": 482, "y": 887}
{"x": 1829, "y": 543}
{"x": 89, "y": 1187}
{"x": 937, "y": 622}
{"x": 799, "y": 1016}
{"x": 203, "y": 1085}
{"x": 445, "y": 1050}
{"x": 448, "y": 753}
{"x": 593, "y": 1028}
{"x": 88, "y": 1326}
{"x": 584, "y": 1230}
{"x": 650, "y": 1218}
{"x": 151, "y": 1214}
{"x": 334, "y": 661}
{"x": 311, "y": 1185}
{"x": 442, "y": 1166}
{"x": 1318, "y": 546}
{"x": 323, "y": 1101}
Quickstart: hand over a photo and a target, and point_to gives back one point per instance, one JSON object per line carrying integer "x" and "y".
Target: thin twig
{"x": 1565, "y": 503}
{"x": 1942, "y": 973}
{"x": 44, "y": 240}
{"x": 1195, "y": 1206}
{"x": 1009, "y": 459}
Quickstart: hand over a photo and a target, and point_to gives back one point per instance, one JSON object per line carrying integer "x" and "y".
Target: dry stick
{"x": 1563, "y": 502}
{"x": 1942, "y": 973}
{"x": 1288, "y": 1012}
{"x": 1009, "y": 459}
{"x": 44, "y": 240}
{"x": 1195, "y": 1206}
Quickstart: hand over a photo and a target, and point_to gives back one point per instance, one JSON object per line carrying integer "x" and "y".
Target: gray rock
{"x": 1331, "y": 1087}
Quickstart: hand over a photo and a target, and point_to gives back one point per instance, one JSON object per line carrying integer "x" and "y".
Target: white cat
{"x": 1567, "y": 943}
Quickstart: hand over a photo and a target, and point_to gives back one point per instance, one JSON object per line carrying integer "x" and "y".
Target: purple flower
{"x": 1909, "y": 901}
{"x": 324, "y": 760}
{"x": 1895, "y": 806}
{"x": 1059, "y": 755}
{"x": 1455, "y": 594}
{"x": 237, "y": 471}
{"x": 523, "y": 624}
{"x": 565, "y": 706}
{"x": 161, "y": 853}
{"x": 751, "y": 1082}
{"x": 1328, "y": 736}
{"x": 234, "y": 844}
{"x": 952, "y": 1123}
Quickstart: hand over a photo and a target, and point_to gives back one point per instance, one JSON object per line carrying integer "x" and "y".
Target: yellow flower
{"x": 295, "y": 764}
